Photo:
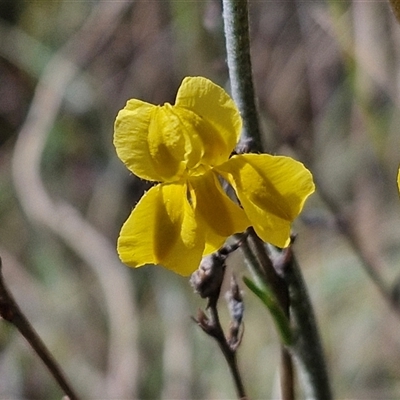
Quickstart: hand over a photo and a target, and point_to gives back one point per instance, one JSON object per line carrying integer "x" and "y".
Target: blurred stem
{"x": 236, "y": 25}
{"x": 396, "y": 8}
{"x": 10, "y": 311}
{"x": 287, "y": 375}
{"x": 368, "y": 263}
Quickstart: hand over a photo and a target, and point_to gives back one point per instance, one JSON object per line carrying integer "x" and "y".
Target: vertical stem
{"x": 287, "y": 375}
{"x": 280, "y": 289}
{"x": 262, "y": 268}
{"x": 236, "y": 24}
{"x": 307, "y": 349}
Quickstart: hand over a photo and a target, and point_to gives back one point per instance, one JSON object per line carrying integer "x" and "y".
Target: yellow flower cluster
{"x": 187, "y": 147}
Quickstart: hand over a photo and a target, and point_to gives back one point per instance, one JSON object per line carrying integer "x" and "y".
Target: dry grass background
{"x": 327, "y": 76}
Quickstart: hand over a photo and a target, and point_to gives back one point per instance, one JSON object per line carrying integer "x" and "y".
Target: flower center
{"x": 199, "y": 170}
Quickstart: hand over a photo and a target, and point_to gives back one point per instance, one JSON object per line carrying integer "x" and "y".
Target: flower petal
{"x": 222, "y": 123}
{"x": 218, "y": 215}
{"x": 398, "y": 180}
{"x": 162, "y": 230}
{"x": 272, "y": 190}
{"x": 148, "y": 141}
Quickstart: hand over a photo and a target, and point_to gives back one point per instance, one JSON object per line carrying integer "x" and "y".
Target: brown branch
{"x": 10, "y": 311}
{"x": 64, "y": 220}
{"x": 212, "y": 326}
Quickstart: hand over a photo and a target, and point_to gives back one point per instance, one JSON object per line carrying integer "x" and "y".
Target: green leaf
{"x": 282, "y": 323}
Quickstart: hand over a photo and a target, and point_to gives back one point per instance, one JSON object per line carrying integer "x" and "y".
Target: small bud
{"x": 236, "y": 310}
{"x": 207, "y": 280}
{"x": 235, "y": 301}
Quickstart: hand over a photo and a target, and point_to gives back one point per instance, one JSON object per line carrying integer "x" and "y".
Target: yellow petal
{"x": 222, "y": 123}
{"x": 398, "y": 180}
{"x": 218, "y": 215}
{"x": 272, "y": 191}
{"x": 162, "y": 230}
{"x": 148, "y": 141}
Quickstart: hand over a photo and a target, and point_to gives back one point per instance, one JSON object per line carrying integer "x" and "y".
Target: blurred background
{"x": 327, "y": 77}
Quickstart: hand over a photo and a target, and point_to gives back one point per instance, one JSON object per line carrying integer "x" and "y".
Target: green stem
{"x": 307, "y": 348}
{"x": 273, "y": 292}
{"x": 281, "y": 320}
{"x": 236, "y": 24}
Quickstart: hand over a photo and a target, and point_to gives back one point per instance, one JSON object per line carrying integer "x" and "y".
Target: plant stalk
{"x": 307, "y": 348}
{"x": 236, "y": 26}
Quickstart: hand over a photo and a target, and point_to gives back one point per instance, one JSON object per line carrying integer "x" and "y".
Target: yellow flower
{"x": 187, "y": 147}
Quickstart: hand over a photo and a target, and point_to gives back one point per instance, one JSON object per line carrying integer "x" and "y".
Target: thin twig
{"x": 368, "y": 264}
{"x": 10, "y": 311}
{"x": 212, "y": 326}
{"x": 228, "y": 352}
{"x": 62, "y": 218}
{"x": 207, "y": 282}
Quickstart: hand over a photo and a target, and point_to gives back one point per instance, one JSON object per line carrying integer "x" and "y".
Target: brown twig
{"x": 10, "y": 311}
{"x": 287, "y": 375}
{"x": 207, "y": 281}
{"x": 212, "y": 326}
{"x": 63, "y": 219}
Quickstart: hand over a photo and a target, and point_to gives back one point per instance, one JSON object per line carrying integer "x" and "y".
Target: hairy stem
{"x": 10, "y": 311}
